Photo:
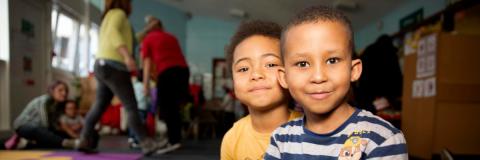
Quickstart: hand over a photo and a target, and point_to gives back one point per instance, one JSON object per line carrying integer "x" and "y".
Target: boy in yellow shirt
{"x": 253, "y": 57}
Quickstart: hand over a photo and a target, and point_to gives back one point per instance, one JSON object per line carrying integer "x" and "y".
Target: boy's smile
{"x": 259, "y": 88}
{"x": 320, "y": 95}
{"x": 255, "y": 64}
{"x": 318, "y": 65}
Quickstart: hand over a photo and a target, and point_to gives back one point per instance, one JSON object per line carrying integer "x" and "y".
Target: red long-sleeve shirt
{"x": 163, "y": 49}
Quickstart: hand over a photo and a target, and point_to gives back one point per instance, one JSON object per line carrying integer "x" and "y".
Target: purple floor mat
{"x": 98, "y": 156}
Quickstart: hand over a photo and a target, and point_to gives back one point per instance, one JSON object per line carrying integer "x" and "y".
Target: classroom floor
{"x": 116, "y": 147}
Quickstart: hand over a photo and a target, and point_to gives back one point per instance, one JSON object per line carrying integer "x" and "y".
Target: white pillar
{"x": 4, "y": 66}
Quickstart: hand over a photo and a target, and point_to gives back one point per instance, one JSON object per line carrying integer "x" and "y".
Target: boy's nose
{"x": 318, "y": 76}
{"x": 257, "y": 75}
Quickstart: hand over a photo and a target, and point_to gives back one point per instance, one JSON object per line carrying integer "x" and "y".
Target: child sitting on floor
{"x": 71, "y": 122}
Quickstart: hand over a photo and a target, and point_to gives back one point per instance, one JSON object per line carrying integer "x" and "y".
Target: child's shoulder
{"x": 373, "y": 122}
{"x": 79, "y": 117}
{"x": 298, "y": 121}
{"x": 239, "y": 126}
{"x": 63, "y": 116}
{"x": 374, "y": 127}
{"x": 294, "y": 126}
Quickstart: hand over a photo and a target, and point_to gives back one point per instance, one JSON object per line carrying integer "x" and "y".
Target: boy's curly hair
{"x": 248, "y": 29}
{"x": 316, "y": 14}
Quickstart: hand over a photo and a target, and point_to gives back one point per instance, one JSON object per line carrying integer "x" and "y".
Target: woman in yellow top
{"x": 113, "y": 65}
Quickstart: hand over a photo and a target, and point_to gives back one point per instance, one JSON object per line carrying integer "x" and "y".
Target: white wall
{"x": 4, "y": 58}
{"x": 174, "y": 20}
{"x": 206, "y": 40}
{"x": 4, "y": 98}
{"x": 4, "y": 49}
{"x": 23, "y": 46}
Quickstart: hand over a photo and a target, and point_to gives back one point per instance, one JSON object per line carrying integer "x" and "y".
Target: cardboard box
{"x": 443, "y": 111}
{"x": 89, "y": 87}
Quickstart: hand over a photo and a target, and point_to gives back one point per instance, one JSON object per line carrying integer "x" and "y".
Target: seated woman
{"x": 38, "y": 120}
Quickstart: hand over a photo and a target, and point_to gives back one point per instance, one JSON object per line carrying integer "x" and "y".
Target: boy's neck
{"x": 328, "y": 122}
{"x": 267, "y": 121}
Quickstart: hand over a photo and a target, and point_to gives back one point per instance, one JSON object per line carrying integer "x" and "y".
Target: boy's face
{"x": 70, "y": 109}
{"x": 318, "y": 65}
{"x": 254, "y": 69}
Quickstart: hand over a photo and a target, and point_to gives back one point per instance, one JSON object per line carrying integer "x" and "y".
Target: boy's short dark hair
{"x": 316, "y": 14}
{"x": 248, "y": 29}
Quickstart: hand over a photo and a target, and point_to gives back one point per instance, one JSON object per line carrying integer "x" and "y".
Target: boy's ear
{"x": 281, "y": 78}
{"x": 356, "y": 70}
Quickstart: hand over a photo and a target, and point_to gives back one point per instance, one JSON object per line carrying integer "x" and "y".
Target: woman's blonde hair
{"x": 120, "y": 4}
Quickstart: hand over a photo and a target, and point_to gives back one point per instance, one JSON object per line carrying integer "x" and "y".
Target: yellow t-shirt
{"x": 242, "y": 142}
{"x": 115, "y": 31}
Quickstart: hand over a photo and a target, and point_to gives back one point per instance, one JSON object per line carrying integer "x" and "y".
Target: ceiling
{"x": 366, "y": 12}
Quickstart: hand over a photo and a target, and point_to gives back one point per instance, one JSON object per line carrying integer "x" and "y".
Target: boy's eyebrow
{"x": 241, "y": 59}
{"x": 301, "y": 54}
{"x": 263, "y": 56}
{"x": 270, "y": 54}
{"x": 331, "y": 51}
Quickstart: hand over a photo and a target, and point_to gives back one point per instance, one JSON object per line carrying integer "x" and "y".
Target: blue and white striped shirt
{"x": 362, "y": 136}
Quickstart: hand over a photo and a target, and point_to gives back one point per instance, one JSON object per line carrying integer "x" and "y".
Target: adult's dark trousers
{"x": 42, "y": 136}
{"x": 112, "y": 81}
{"x": 172, "y": 93}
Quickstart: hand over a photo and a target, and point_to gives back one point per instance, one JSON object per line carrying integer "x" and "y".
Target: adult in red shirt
{"x": 163, "y": 60}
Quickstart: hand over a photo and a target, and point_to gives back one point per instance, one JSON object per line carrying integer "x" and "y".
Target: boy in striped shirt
{"x": 317, "y": 47}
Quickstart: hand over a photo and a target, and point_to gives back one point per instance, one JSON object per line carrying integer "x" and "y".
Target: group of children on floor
{"x": 48, "y": 121}
{"x": 309, "y": 62}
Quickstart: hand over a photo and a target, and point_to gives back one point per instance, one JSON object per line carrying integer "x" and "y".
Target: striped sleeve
{"x": 392, "y": 148}
{"x": 273, "y": 152}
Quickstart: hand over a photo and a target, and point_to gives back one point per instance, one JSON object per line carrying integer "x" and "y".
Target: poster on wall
{"x": 27, "y": 28}
{"x": 426, "y": 56}
{"x": 407, "y": 45}
{"x": 417, "y": 89}
{"x": 27, "y": 64}
{"x": 429, "y": 87}
{"x": 424, "y": 88}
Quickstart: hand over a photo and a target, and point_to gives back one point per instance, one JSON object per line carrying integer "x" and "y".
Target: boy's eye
{"x": 332, "y": 60}
{"x": 302, "y": 64}
{"x": 271, "y": 65}
{"x": 243, "y": 69}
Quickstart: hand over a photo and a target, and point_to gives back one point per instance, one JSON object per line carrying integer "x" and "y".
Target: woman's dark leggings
{"x": 112, "y": 81}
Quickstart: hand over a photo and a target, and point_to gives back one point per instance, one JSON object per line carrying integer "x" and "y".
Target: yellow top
{"x": 114, "y": 32}
{"x": 243, "y": 142}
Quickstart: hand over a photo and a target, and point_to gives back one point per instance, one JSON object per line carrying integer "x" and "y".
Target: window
{"x": 87, "y": 50}
{"x": 65, "y": 43}
{"x": 4, "y": 31}
{"x": 54, "y": 22}
{"x": 74, "y": 43}
{"x": 93, "y": 46}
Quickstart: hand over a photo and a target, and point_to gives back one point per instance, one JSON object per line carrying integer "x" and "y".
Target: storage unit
{"x": 441, "y": 95}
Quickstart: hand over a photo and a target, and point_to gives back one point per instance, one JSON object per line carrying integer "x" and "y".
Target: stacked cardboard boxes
{"x": 441, "y": 101}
